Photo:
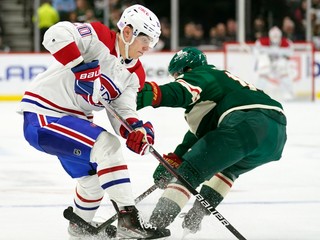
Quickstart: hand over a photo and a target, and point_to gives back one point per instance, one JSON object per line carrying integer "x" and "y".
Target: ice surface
{"x": 278, "y": 201}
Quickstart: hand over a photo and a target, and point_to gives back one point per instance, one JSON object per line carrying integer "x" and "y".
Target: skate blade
{"x": 92, "y": 237}
{"x": 142, "y": 238}
{"x": 122, "y": 237}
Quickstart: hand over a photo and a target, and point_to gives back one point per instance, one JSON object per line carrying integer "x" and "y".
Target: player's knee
{"x": 192, "y": 175}
{"x": 89, "y": 186}
{"x": 106, "y": 147}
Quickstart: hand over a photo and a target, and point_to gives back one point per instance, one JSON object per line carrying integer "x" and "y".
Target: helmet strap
{"x": 126, "y": 44}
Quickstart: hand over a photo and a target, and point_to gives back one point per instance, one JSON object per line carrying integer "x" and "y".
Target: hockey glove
{"x": 88, "y": 81}
{"x": 161, "y": 175}
{"x": 141, "y": 137}
{"x": 150, "y": 95}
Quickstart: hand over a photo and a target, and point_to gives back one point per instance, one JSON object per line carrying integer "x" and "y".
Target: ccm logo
{"x": 89, "y": 75}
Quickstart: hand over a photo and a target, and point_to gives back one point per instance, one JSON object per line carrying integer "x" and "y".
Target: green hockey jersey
{"x": 209, "y": 94}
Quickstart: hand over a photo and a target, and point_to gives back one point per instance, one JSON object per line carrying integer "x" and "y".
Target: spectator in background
{"x": 188, "y": 37}
{"x": 218, "y": 35}
{"x": 231, "y": 26}
{"x": 64, "y": 8}
{"x": 212, "y": 35}
{"x": 99, "y": 7}
{"x": 115, "y": 14}
{"x": 164, "y": 43}
{"x": 316, "y": 36}
{"x": 82, "y": 7}
{"x": 288, "y": 29}
{"x": 46, "y": 16}
{"x": 299, "y": 17}
{"x": 3, "y": 46}
{"x": 259, "y": 28}
{"x": 199, "y": 35}
{"x": 316, "y": 25}
{"x": 73, "y": 17}
{"x": 1, "y": 28}
{"x": 90, "y": 16}
{"x": 193, "y": 35}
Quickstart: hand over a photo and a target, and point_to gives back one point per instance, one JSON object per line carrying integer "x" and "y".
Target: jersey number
{"x": 243, "y": 83}
{"x": 84, "y": 30}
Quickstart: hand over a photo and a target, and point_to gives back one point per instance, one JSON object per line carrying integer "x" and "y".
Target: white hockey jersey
{"x": 52, "y": 92}
{"x": 283, "y": 49}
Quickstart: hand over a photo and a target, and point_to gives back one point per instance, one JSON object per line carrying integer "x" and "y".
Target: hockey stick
{"x": 198, "y": 196}
{"x": 74, "y": 218}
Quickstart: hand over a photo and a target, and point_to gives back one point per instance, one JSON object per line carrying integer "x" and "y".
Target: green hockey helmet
{"x": 185, "y": 59}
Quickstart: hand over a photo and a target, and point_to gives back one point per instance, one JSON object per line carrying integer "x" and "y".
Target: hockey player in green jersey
{"x": 233, "y": 128}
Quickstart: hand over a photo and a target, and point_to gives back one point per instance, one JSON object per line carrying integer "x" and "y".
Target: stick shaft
{"x": 198, "y": 196}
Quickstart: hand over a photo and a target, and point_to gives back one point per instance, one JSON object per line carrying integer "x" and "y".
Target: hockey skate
{"x": 164, "y": 213}
{"x": 132, "y": 226}
{"x": 193, "y": 218}
{"x": 78, "y": 233}
{"x": 192, "y": 221}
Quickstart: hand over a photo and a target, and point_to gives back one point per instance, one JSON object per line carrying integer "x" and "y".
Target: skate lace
{"x": 145, "y": 225}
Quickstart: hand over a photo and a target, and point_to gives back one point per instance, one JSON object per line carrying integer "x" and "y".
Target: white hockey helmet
{"x": 275, "y": 35}
{"x": 142, "y": 20}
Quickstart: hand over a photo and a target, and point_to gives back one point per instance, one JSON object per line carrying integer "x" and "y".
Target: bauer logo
{"x": 90, "y": 75}
{"x": 207, "y": 205}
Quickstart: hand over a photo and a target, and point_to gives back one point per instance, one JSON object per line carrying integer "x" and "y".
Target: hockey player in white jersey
{"x": 93, "y": 61}
{"x": 272, "y": 66}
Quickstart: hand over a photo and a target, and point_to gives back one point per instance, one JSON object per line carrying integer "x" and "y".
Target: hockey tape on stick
{"x": 73, "y": 217}
{"x": 198, "y": 196}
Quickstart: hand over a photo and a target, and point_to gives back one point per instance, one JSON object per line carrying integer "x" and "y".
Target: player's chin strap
{"x": 184, "y": 182}
{"x": 126, "y": 44}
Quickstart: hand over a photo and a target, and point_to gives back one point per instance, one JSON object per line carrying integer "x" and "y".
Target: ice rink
{"x": 278, "y": 201}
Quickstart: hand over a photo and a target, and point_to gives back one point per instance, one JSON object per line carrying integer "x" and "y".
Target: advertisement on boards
{"x": 17, "y": 70}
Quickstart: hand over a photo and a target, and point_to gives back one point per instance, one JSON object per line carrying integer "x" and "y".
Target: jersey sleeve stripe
{"x": 68, "y": 54}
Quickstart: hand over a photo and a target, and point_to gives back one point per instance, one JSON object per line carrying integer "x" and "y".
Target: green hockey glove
{"x": 161, "y": 175}
{"x": 150, "y": 95}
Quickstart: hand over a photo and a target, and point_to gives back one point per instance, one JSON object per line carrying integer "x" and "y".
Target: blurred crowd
{"x": 3, "y": 46}
{"x": 193, "y": 33}
{"x": 292, "y": 25}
